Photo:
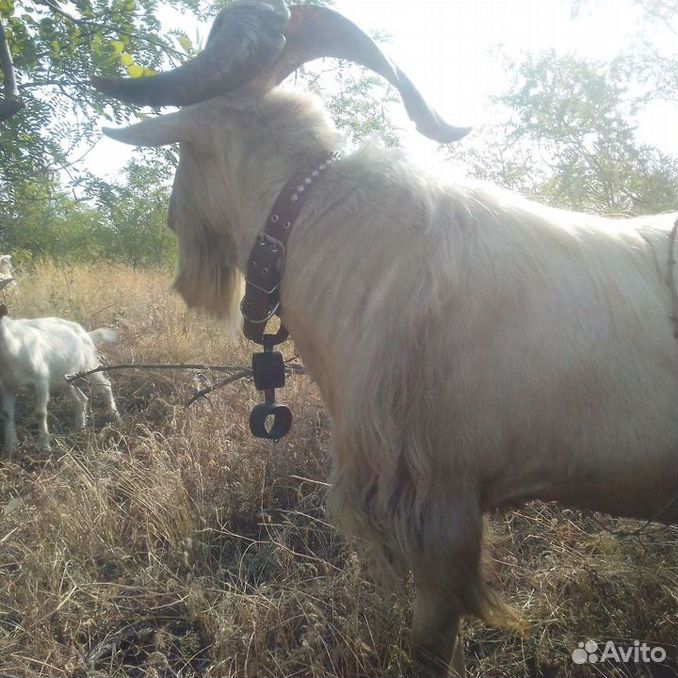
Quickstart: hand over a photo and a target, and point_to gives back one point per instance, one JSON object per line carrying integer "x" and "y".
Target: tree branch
{"x": 152, "y": 366}
{"x": 62, "y": 82}
{"x": 290, "y": 368}
{"x": 11, "y": 103}
{"x": 238, "y": 373}
{"x": 202, "y": 393}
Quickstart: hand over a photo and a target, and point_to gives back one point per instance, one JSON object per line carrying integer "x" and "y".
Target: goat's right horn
{"x": 245, "y": 39}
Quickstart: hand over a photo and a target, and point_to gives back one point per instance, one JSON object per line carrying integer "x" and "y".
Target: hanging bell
{"x": 271, "y": 421}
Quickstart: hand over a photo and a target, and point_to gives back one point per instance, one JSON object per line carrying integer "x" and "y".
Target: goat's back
{"x": 44, "y": 348}
{"x": 480, "y": 338}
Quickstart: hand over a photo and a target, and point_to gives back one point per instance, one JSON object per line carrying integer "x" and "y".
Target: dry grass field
{"x": 174, "y": 544}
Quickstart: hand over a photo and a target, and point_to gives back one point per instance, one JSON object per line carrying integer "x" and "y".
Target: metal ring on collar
{"x": 259, "y": 417}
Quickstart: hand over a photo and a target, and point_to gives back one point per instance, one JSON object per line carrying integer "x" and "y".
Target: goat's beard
{"x": 208, "y": 280}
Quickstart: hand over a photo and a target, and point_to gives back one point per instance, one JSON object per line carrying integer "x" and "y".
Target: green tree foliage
{"x": 135, "y": 213}
{"x": 570, "y": 137}
{"x": 358, "y": 101}
{"x": 123, "y": 223}
{"x": 652, "y": 70}
{"x": 40, "y": 221}
{"x": 56, "y": 46}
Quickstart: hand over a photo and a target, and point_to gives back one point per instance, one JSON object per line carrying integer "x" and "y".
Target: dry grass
{"x": 175, "y": 544}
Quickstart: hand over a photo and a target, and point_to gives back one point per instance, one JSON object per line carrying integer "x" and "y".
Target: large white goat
{"x": 474, "y": 349}
{"x": 40, "y": 353}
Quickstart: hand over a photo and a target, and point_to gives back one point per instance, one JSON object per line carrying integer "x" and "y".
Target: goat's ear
{"x": 158, "y": 131}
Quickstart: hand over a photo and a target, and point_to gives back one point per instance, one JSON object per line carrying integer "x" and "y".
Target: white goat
{"x": 474, "y": 349}
{"x": 40, "y": 352}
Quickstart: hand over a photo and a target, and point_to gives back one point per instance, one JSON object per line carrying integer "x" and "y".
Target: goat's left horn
{"x": 245, "y": 39}
{"x": 315, "y": 32}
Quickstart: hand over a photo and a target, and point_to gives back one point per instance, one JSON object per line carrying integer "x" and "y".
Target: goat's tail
{"x": 104, "y": 335}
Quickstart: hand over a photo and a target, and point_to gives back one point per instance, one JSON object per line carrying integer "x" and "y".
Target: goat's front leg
{"x": 448, "y": 584}
{"x": 104, "y": 386}
{"x": 79, "y": 400}
{"x": 41, "y": 400}
{"x": 11, "y": 441}
{"x": 435, "y": 637}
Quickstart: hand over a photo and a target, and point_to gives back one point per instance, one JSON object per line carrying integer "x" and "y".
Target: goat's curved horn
{"x": 261, "y": 43}
{"x": 314, "y": 32}
{"x": 245, "y": 39}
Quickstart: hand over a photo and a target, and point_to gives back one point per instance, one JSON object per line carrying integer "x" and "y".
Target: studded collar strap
{"x": 267, "y": 258}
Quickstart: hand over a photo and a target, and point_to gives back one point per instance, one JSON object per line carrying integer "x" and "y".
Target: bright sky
{"x": 448, "y": 49}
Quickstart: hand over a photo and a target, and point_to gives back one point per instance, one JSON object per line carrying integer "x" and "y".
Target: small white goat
{"x": 39, "y": 353}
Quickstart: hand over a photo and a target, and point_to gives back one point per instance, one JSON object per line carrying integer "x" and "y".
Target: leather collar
{"x": 267, "y": 258}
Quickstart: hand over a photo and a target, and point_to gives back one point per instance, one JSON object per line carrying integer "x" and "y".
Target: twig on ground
{"x": 656, "y": 517}
{"x": 152, "y": 366}
{"x": 238, "y": 373}
{"x": 202, "y": 393}
{"x": 241, "y": 374}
